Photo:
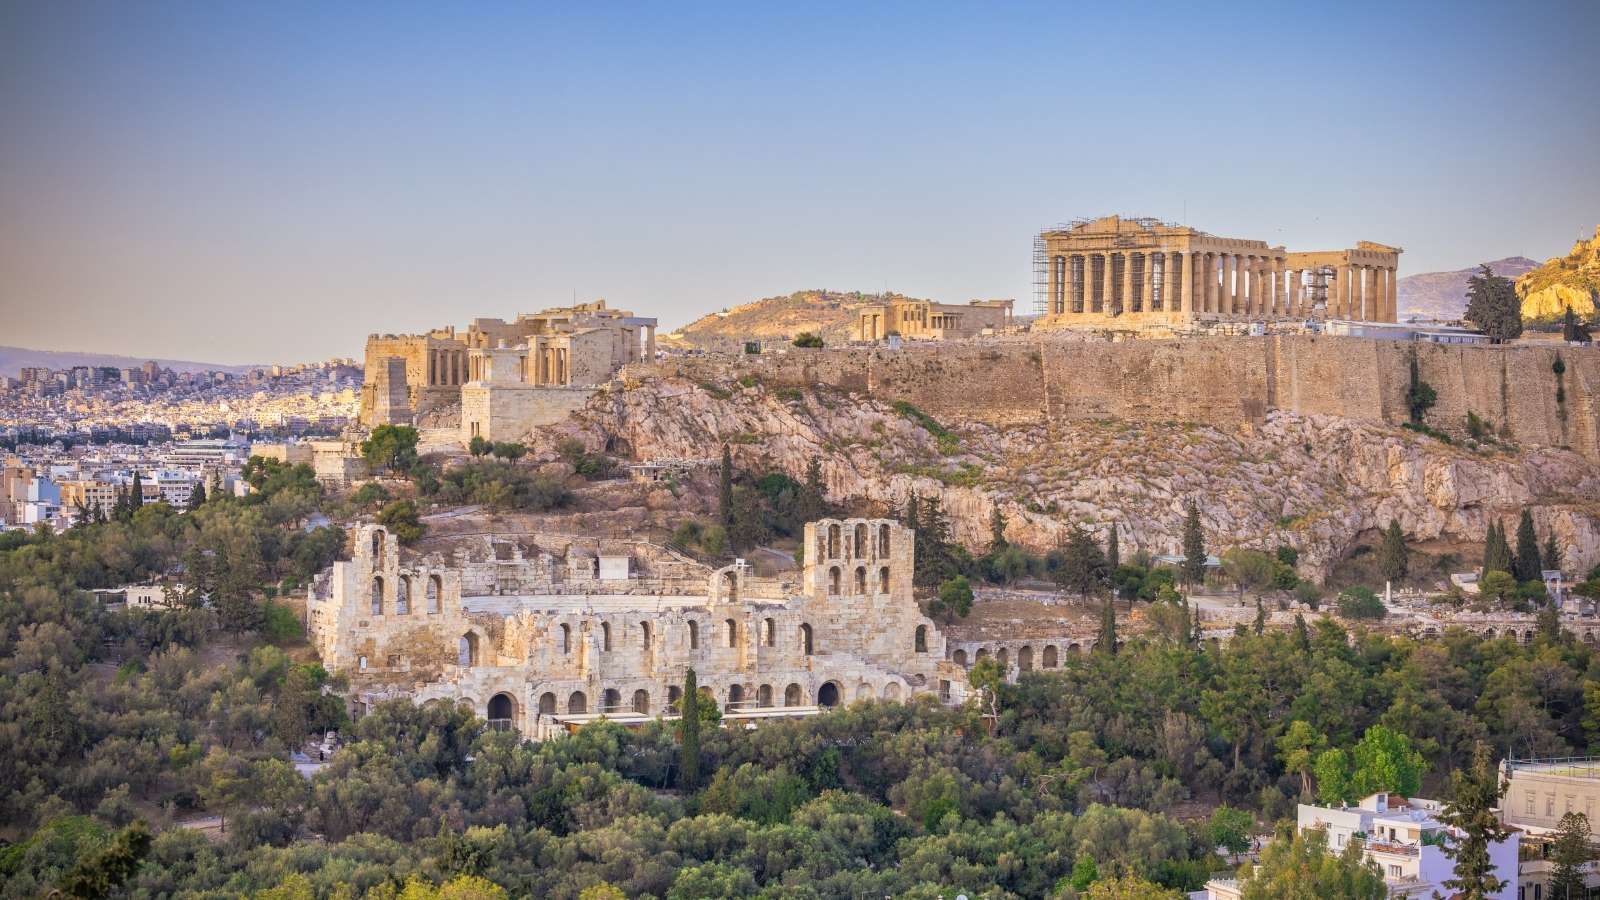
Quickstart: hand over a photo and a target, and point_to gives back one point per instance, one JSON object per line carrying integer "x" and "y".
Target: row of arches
{"x": 858, "y": 546}
{"x": 433, "y": 589}
{"x": 738, "y": 697}
{"x": 859, "y": 583}
{"x": 732, "y": 632}
{"x": 1049, "y": 655}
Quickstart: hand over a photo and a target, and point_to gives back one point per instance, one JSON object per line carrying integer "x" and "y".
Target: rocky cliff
{"x": 1562, "y": 283}
{"x": 1314, "y": 482}
{"x": 1443, "y": 295}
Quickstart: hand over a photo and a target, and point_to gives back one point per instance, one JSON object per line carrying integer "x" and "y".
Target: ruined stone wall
{"x": 1215, "y": 380}
{"x": 507, "y": 412}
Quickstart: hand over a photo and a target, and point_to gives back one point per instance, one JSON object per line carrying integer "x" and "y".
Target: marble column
{"x": 1232, "y": 278}
{"x": 1279, "y": 301}
{"x": 1348, "y": 292}
{"x": 650, "y": 343}
{"x": 1391, "y": 295}
{"x": 1185, "y": 282}
{"x": 1292, "y": 286}
{"x": 1213, "y": 265}
{"x": 1053, "y": 282}
{"x": 1371, "y": 310}
{"x": 1127, "y": 281}
{"x": 1105, "y": 283}
{"x": 1150, "y": 280}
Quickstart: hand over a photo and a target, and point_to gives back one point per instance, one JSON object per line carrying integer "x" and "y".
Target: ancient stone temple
{"x": 574, "y": 347}
{"x": 926, "y": 320}
{"x": 1132, "y": 273}
{"x": 547, "y": 631}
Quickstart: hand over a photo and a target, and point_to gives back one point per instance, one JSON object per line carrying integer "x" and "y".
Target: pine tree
{"x": 1261, "y": 618}
{"x": 1194, "y": 547}
{"x": 1493, "y": 306}
{"x": 1527, "y": 560}
{"x": 1474, "y": 794}
{"x": 1113, "y": 551}
{"x": 1393, "y": 558}
{"x": 1570, "y": 851}
{"x": 136, "y": 495}
{"x": 1083, "y": 563}
{"x": 197, "y": 497}
{"x": 689, "y": 727}
{"x": 725, "y": 490}
{"x": 1108, "y": 629}
{"x": 997, "y": 531}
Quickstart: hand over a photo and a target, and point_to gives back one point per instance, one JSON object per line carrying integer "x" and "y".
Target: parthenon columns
{"x": 1127, "y": 283}
{"x": 1105, "y": 283}
{"x": 1186, "y": 281}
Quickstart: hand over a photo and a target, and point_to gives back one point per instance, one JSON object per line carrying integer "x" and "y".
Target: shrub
{"x": 1360, "y": 603}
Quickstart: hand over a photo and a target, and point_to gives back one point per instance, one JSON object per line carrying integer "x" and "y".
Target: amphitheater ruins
{"x": 1143, "y": 272}
{"x": 542, "y": 633}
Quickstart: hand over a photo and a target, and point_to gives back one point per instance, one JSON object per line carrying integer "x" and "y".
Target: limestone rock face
{"x": 1562, "y": 283}
{"x": 1313, "y": 482}
{"x": 1553, "y": 301}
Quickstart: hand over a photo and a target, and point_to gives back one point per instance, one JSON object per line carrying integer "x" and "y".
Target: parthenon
{"x": 1121, "y": 272}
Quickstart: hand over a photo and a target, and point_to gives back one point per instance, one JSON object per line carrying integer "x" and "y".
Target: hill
{"x": 828, "y": 313}
{"x": 1563, "y": 282}
{"x": 13, "y": 359}
{"x": 1443, "y": 295}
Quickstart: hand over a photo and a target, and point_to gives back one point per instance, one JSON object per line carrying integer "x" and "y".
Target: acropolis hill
{"x": 1212, "y": 380}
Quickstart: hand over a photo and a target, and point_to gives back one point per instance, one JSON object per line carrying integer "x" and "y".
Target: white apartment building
{"x": 1403, "y": 838}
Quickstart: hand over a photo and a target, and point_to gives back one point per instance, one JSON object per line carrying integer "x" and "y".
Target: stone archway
{"x": 502, "y": 712}
{"x": 828, "y": 695}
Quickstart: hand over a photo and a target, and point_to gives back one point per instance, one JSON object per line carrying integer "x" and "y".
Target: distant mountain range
{"x": 14, "y": 359}
{"x": 1443, "y": 295}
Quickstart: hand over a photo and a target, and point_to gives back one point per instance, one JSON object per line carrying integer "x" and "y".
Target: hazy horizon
{"x": 238, "y": 183}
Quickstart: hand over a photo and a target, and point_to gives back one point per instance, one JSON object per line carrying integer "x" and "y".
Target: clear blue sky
{"x": 272, "y": 181}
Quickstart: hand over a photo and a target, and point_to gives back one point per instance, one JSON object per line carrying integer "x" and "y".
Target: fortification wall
{"x": 1218, "y": 380}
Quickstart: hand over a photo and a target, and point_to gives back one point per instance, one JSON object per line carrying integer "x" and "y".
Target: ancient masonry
{"x": 506, "y": 377}
{"x": 929, "y": 321}
{"x": 535, "y": 632}
{"x": 1141, "y": 272}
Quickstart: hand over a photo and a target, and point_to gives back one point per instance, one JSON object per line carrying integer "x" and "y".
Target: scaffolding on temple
{"x": 1041, "y": 259}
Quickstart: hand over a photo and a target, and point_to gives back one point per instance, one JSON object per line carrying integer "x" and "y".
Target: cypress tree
{"x": 1261, "y": 618}
{"x": 997, "y": 531}
{"x": 1496, "y": 552}
{"x": 1194, "y": 547}
{"x": 1108, "y": 629}
{"x": 1302, "y": 634}
{"x": 813, "y": 494}
{"x": 1113, "y": 551}
{"x": 725, "y": 491}
{"x": 1527, "y": 560}
{"x": 1552, "y": 550}
{"x": 1474, "y": 794}
{"x": 1394, "y": 559}
{"x": 136, "y": 495}
{"x": 689, "y": 726}
{"x": 197, "y": 498}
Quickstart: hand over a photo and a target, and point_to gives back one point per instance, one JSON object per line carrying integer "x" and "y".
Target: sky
{"x": 270, "y": 182}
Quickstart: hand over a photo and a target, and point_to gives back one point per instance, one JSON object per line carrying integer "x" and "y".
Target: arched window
{"x": 1003, "y": 657}
{"x": 605, "y": 636}
{"x": 377, "y": 546}
{"x": 694, "y": 635}
{"x": 983, "y": 653}
{"x": 361, "y": 664}
{"x": 577, "y": 704}
{"x": 566, "y": 638}
{"x": 641, "y": 702}
{"x": 828, "y": 694}
{"x": 434, "y": 588}
{"x": 769, "y": 632}
{"x": 959, "y": 657}
{"x": 733, "y": 632}
{"x": 883, "y": 580}
{"x": 792, "y": 695}
{"x": 467, "y": 650}
{"x": 861, "y": 579}
{"x": 502, "y": 709}
{"x": 377, "y": 595}
{"x": 1049, "y": 658}
{"x": 547, "y": 704}
{"x": 921, "y": 642}
{"x": 833, "y": 541}
{"x": 833, "y": 580}
{"x": 402, "y": 596}
{"x": 730, "y": 586}
{"x": 611, "y": 701}
{"x": 883, "y": 541}
{"x": 1025, "y": 659}
{"x": 764, "y": 695}
{"x": 860, "y": 542}
{"x": 674, "y": 695}
{"x": 735, "y": 696}
{"x": 805, "y": 639}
